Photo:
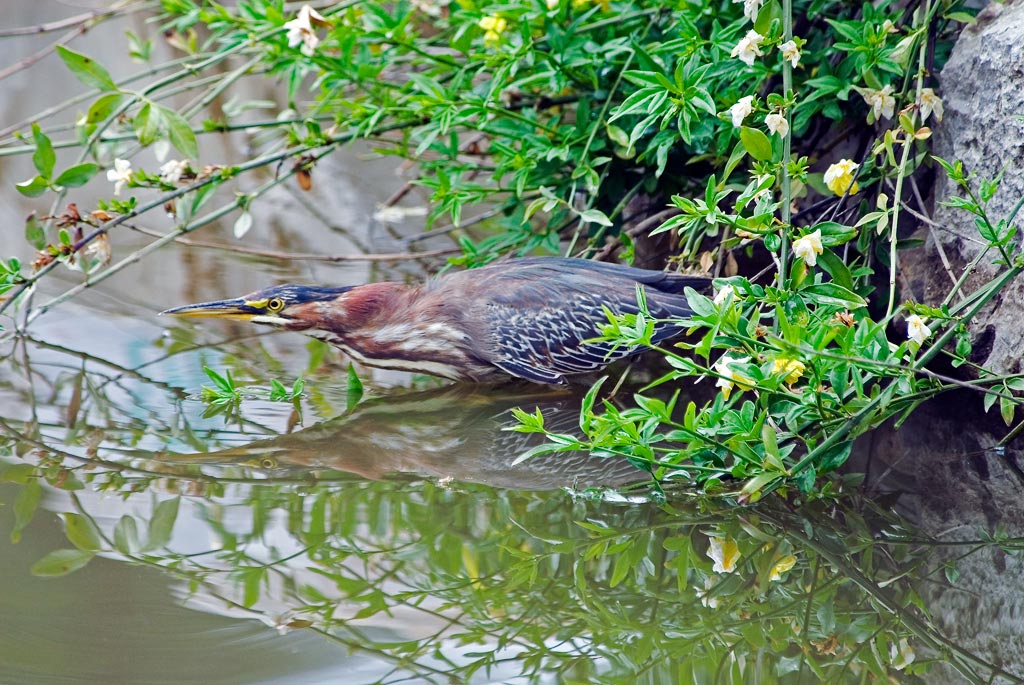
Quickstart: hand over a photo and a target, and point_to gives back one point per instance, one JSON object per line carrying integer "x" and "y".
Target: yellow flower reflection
{"x": 725, "y": 553}
{"x": 493, "y": 27}
{"x": 793, "y": 368}
{"x": 782, "y": 566}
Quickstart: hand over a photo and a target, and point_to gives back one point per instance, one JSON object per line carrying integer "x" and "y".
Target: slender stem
{"x": 787, "y": 146}
{"x": 921, "y": 24}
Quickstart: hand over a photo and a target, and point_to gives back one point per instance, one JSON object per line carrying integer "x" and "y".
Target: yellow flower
{"x": 781, "y": 566}
{"x": 494, "y": 27}
{"x": 808, "y": 248}
{"x": 725, "y": 553}
{"x": 839, "y": 177}
{"x": 793, "y": 368}
{"x": 728, "y": 378}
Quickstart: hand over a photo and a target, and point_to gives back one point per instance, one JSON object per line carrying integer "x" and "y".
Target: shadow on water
{"x": 400, "y": 542}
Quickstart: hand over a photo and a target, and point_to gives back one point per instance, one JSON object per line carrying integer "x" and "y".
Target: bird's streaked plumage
{"x": 532, "y": 318}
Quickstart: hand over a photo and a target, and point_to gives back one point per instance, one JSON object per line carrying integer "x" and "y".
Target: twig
{"x": 642, "y": 227}
{"x": 931, "y": 230}
{"x": 301, "y": 256}
{"x": 27, "y": 62}
{"x": 58, "y": 24}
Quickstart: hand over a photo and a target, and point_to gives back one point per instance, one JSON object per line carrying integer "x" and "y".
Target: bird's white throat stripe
{"x": 435, "y": 337}
{"x": 412, "y": 365}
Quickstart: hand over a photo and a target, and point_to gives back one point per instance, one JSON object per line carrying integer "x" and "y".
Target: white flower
{"x": 120, "y": 174}
{"x": 902, "y": 655}
{"x": 791, "y": 52}
{"x": 741, "y": 110}
{"x": 750, "y": 8}
{"x": 777, "y": 124}
{"x": 808, "y": 248}
{"x": 728, "y": 378}
{"x": 930, "y": 103}
{"x": 553, "y": 4}
{"x": 725, "y": 552}
{"x": 172, "y": 171}
{"x": 392, "y": 214}
{"x": 748, "y": 48}
{"x": 300, "y": 30}
{"x": 917, "y": 330}
{"x": 705, "y": 597}
{"x": 726, "y": 294}
{"x": 881, "y": 102}
{"x": 431, "y": 8}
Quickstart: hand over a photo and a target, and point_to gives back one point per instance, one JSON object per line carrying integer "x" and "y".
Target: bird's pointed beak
{"x": 223, "y": 309}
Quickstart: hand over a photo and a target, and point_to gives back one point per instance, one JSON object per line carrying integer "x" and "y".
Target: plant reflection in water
{"x": 401, "y": 529}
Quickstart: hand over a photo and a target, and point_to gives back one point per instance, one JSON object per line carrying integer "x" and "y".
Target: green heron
{"x": 534, "y": 318}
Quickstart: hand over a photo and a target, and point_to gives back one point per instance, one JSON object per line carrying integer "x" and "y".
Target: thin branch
{"x": 302, "y": 256}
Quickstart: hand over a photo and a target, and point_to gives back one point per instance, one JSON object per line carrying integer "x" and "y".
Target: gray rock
{"x": 983, "y": 92}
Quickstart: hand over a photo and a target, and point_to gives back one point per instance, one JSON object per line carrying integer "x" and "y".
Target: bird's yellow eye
{"x": 275, "y": 304}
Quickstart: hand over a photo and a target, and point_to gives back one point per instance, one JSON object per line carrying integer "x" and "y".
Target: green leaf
{"x": 33, "y": 187}
{"x": 126, "y": 535}
{"x": 77, "y": 175}
{"x": 354, "y": 392}
{"x": 44, "y": 157}
{"x": 103, "y": 107}
{"x": 25, "y": 507}
{"x": 595, "y": 216}
{"x": 81, "y": 532}
{"x": 1006, "y": 409}
{"x": 86, "y": 69}
{"x": 180, "y": 133}
{"x": 834, "y": 294}
{"x": 252, "y": 578}
{"x": 835, "y": 457}
{"x": 962, "y": 17}
{"x": 147, "y": 124}
{"x": 35, "y": 234}
{"x": 837, "y": 268}
{"x": 162, "y": 523}
{"x": 61, "y": 562}
{"x": 756, "y": 143}
{"x": 833, "y": 234}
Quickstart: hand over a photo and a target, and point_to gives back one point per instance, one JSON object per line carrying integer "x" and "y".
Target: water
{"x": 387, "y": 535}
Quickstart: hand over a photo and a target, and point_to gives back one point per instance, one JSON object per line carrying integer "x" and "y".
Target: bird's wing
{"x": 538, "y": 324}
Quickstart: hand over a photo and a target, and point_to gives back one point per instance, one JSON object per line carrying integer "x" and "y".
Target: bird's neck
{"x": 395, "y": 326}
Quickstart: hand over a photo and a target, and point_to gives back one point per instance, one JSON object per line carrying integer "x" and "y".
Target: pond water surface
{"x": 380, "y": 531}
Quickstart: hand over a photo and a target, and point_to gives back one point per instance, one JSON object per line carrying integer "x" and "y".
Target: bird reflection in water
{"x": 459, "y": 432}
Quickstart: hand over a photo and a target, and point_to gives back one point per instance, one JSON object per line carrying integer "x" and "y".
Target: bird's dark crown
{"x": 292, "y": 293}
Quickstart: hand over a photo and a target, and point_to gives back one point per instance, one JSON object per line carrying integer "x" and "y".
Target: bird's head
{"x": 288, "y": 307}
